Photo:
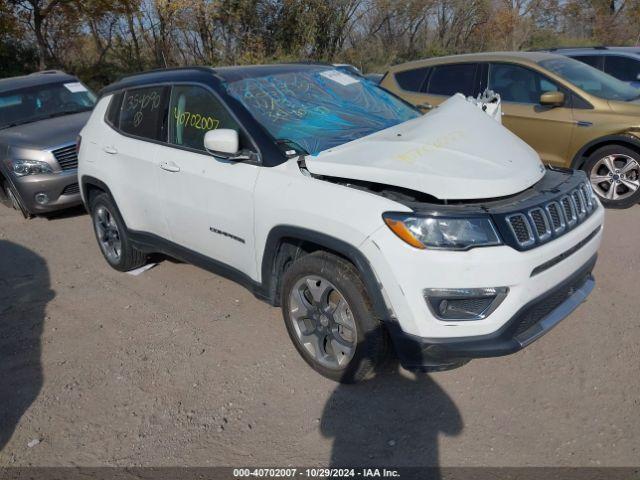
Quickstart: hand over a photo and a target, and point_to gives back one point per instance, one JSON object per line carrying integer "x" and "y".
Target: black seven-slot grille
{"x": 67, "y": 157}
{"x": 542, "y": 223}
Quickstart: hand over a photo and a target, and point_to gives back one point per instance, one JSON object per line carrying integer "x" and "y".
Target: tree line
{"x": 100, "y": 40}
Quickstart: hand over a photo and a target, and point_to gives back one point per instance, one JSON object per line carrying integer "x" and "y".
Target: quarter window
{"x": 143, "y": 112}
{"x": 623, "y": 68}
{"x": 193, "y": 111}
{"x": 451, "y": 79}
{"x": 412, "y": 80}
{"x": 519, "y": 84}
{"x": 113, "y": 111}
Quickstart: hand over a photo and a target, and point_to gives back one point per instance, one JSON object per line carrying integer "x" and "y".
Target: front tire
{"x": 330, "y": 320}
{"x": 614, "y": 173}
{"x": 9, "y": 198}
{"x": 111, "y": 234}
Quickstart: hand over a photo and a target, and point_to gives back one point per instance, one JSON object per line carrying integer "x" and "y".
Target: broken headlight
{"x": 448, "y": 233}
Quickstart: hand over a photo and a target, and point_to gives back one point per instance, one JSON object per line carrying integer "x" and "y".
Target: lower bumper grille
{"x": 549, "y": 303}
{"x": 72, "y": 189}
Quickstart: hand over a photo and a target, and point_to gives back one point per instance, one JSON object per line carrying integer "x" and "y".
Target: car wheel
{"x": 614, "y": 173}
{"x": 8, "y": 197}
{"x": 329, "y": 318}
{"x": 112, "y": 236}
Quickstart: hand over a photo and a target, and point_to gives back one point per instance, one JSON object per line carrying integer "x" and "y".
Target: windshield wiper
{"x": 67, "y": 112}
{"x": 15, "y": 124}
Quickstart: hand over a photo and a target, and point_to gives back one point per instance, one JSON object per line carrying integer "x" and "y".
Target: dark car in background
{"x": 41, "y": 115}
{"x": 620, "y": 62}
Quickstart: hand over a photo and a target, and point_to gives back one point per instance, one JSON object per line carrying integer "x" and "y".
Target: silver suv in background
{"x": 620, "y": 62}
{"x": 40, "y": 117}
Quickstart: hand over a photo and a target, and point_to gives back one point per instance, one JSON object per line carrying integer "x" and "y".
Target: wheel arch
{"x": 286, "y": 243}
{"x": 91, "y": 186}
{"x": 626, "y": 140}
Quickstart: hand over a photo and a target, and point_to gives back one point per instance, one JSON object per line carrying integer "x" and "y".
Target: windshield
{"x": 28, "y": 105}
{"x": 590, "y": 79}
{"x": 316, "y": 109}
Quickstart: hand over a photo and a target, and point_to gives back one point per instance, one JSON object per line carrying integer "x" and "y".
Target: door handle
{"x": 110, "y": 150}
{"x": 169, "y": 166}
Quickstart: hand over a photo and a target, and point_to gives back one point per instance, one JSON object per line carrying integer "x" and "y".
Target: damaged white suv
{"x": 439, "y": 238}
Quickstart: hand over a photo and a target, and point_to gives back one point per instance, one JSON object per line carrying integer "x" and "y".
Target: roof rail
{"x": 47, "y": 72}
{"x": 594, "y": 47}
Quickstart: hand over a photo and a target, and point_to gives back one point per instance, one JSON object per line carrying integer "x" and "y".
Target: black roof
{"x": 224, "y": 74}
{"x": 33, "y": 79}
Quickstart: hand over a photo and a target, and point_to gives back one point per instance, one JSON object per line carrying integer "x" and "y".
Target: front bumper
{"x": 61, "y": 188}
{"x": 530, "y": 323}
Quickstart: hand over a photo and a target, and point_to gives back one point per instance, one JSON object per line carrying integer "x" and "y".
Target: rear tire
{"x": 330, "y": 320}
{"x": 112, "y": 236}
{"x": 614, "y": 173}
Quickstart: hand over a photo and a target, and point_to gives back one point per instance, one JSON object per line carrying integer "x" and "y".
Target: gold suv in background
{"x": 574, "y": 115}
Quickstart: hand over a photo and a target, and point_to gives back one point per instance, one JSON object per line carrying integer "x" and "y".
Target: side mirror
{"x": 552, "y": 99}
{"x": 424, "y": 107}
{"x": 224, "y": 142}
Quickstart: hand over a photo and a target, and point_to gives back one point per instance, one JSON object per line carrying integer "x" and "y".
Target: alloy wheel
{"x": 108, "y": 234}
{"x": 615, "y": 177}
{"x": 323, "y": 321}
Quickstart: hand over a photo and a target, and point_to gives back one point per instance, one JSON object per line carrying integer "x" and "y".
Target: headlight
{"x": 447, "y": 233}
{"x": 22, "y": 168}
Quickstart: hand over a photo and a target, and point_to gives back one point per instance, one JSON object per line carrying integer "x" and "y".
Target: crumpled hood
{"x": 456, "y": 152}
{"x": 47, "y": 133}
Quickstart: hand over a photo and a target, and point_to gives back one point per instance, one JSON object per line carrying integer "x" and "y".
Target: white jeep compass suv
{"x": 440, "y": 238}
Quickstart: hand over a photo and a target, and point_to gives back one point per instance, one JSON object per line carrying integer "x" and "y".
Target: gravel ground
{"x": 181, "y": 367}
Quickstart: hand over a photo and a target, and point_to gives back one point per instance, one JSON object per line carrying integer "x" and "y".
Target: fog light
{"x": 464, "y": 303}
{"x": 42, "y": 198}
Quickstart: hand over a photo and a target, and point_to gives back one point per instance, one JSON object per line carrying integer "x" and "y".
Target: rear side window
{"x": 412, "y": 80}
{"x": 451, "y": 79}
{"x": 113, "y": 111}
{"x": 193, "y": 111}
{"x": 593, "y": 60}
{"x": 143, "y": 112}
{"x": 623, "y": 68}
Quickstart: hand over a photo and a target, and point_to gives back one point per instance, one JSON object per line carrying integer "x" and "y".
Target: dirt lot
{"x": 180, "y": 367}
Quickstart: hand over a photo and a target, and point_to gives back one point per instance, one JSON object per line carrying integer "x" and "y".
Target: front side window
{"x": 518, "y": 84}
{"x": 590, "y": 80}
{"x": 50, "y": 100}
{"x": 143, "y": 112}
{"x": 451, "y": 79}
{"x": 314, "y": 108}
{"x": 623, "y": 68}
{"x": 412, "y": 80}
{"x": 193, "y": 111}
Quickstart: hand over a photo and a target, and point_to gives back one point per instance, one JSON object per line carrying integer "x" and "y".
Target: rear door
{"x": 207, "y": 201}
{"x": 430, "y": 86}
{"x": 547, "y": 129}
{"x": 131, "y": 156}
{"x": 447, "y": 80}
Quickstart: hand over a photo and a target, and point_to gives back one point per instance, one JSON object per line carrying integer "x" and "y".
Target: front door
{"x": 208, "y": 201}
{"x": 547, "y": 129}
